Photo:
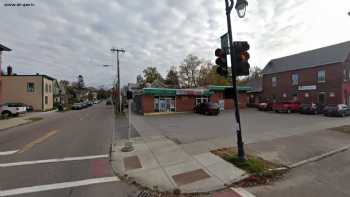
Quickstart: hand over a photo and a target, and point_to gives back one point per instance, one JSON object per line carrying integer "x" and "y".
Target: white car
{"x": 12, "y": 109}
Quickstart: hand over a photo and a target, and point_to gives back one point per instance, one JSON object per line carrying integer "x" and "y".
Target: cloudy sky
{"x": 66, "y": 38}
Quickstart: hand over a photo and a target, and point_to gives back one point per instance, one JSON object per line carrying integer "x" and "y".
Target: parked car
{"x": 337, "y": 110}
{"x": 207, "y": 108}
{"x": 84, "y": 104}
{"x": 288, "y": 107}
{"x": 311, "y": 108}
{"x": 29, "y": 108}
{"x": 77, "y": 106}
{"x": 108, "y": 102}
{"x": 90, "y": 103}
{"x": 253, "y": 105}
{"x": 96, "y": 102}
{"x": 265, "y": 106}
{"x": 12, "y": 109}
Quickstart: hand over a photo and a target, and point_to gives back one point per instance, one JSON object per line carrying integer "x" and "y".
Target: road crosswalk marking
{"x": 10, "y": 152}
{"x": 22, "y": 163}
{"x": 55, "y": 186}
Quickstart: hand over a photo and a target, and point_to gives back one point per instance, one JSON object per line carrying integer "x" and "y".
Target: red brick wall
{"x": 228, "y": 103}
{"x": 148, "y": 104}
{"x": 216, "y": 97}
{"x": 334, "y": 81}
{"x": 185, "y": 103}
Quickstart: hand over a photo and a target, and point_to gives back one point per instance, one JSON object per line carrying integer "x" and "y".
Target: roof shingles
{"x": 322, "y": 56}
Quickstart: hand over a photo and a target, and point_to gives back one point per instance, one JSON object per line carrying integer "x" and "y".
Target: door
{"x": 322, "y": 98}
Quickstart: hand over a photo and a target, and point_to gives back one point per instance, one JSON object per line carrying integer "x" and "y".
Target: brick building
{"x": 2, "y": 48}
{"x": 319, "y": 76}
{"x": 150, "y": 100}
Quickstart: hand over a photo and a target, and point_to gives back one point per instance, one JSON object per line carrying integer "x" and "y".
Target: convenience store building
{"x": 150, "y": 100}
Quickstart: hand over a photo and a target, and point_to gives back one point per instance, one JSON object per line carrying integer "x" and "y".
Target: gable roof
{"x": 3, "y": 48}
{"x": 322, "y": 56}
{"x": 255, "y": 85}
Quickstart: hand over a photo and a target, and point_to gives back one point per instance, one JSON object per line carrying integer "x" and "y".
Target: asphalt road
{"x": 256, "y": 125}
{"x": 81, "y": 137}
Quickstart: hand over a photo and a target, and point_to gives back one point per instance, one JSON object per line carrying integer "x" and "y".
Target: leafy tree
{"x": 172, "y": 78}
{"x": 151, "y": 74}
{"x": 189, "y": 71}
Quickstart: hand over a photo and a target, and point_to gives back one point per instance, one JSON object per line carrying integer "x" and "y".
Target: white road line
{"x": 55, "y": 186}
{"x": 3, "y": 165}
{"x": 10, "y": 152}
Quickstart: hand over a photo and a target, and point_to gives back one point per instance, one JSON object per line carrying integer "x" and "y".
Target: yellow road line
{"x": 37, "y": 141}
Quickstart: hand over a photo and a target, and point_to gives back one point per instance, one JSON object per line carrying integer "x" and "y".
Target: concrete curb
{"x": 316, "y": 158}
{"x": 164, "y": 113}
{"x": 242, "y": 192}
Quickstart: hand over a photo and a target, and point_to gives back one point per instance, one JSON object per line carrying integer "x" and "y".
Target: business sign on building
{"x": 190, "y": 92}
{"x": 304, "y": 88}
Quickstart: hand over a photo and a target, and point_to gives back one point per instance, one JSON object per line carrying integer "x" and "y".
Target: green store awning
{"x": 222, "y": 88}
{"x": 176, "y": 92}
{"x": 159, "y": 92}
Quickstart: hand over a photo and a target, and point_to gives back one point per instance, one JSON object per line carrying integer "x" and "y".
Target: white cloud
{"x": 71, "y": 37}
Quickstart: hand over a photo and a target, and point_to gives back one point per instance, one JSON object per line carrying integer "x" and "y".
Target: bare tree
{"x": 189, "y": 71}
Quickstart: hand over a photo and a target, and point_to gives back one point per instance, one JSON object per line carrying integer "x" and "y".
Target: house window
{"x": 321, "y": 76}
{"x": 46, "y": 88}
{"x": 295, "y": 79}
{"x": 345, "y": 75}
{"x": 46, "y": 100}
{"x": 274, "y": 81}
{"x": 50, "y": 88}
{"x": 30, "y": 87}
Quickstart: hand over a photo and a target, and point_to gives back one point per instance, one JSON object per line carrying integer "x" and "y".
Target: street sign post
{"x": 225, "y": 43}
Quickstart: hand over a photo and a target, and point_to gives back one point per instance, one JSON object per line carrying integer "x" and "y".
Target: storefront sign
{"x": 192, "y": 92}
{"x": 311, "y": 87}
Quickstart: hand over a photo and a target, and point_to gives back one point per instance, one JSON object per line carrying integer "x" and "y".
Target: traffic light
{"x": 242, "y": 57}
{"x": 221, "y": 61}
{"x": 128, "y": 95}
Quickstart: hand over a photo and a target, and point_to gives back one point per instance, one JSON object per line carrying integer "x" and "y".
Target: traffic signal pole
{"x": 240, "y": 144}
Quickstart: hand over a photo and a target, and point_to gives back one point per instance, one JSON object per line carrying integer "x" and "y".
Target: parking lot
{"x": 256, "y": 125}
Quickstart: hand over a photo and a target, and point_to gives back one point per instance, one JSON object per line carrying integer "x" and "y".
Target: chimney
{"x": 9, "y": 70}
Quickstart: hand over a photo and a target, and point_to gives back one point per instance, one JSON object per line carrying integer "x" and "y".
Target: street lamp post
{"x": 241, "y": 8}
{"x": 117, "y": 51}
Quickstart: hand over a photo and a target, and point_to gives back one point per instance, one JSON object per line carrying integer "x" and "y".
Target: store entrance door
{"x": 167, "y": 105}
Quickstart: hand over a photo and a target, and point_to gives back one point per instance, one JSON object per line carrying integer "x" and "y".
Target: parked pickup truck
{"x": 12, "y": 109}
{"x": 288, "y": 107}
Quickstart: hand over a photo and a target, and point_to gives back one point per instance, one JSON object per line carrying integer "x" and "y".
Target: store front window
{"x": 164, "y": 104}
{"x": 200, "y": 100}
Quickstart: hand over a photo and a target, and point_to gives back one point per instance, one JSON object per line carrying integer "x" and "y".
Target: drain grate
{"x": 144, "y": 194}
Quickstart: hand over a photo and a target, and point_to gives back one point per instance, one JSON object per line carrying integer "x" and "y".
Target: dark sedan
{"x": 207, "y": 108}
{"x": 337, "y": 110}
{"x": 311, "y": 109}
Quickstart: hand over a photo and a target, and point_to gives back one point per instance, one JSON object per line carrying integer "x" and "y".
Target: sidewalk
{"x": 24, "y": 119}
{"x": 13, "y": 122}
{"x": 298, "y": 149}
{"x": 159, "y": 163}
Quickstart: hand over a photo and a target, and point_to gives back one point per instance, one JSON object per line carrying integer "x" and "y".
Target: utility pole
{"x": 240, "y": 144}
{"x": 117, "y": 51}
